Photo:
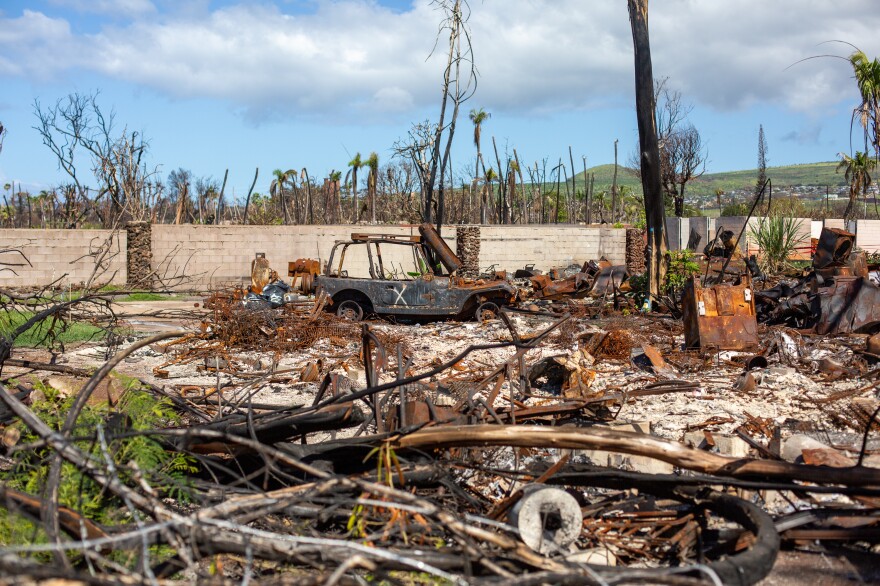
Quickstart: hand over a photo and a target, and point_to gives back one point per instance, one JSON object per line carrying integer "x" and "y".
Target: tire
{"x": 350, "y": 310}
{"x": 486, "y": 311}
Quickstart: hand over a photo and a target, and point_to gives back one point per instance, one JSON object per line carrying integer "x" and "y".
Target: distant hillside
{"x": 806, "y": 174}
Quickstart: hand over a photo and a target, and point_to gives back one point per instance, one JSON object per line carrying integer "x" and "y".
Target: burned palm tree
{"x": 857, "y": 171}
{"x": 372, "y": 177}
{"x": 649, "y": 151}
{"x": 277, "y": 189}
{"x": 355, "y": 164}
{"x": 478, "y": 117}
{"x": 867, "y": 74}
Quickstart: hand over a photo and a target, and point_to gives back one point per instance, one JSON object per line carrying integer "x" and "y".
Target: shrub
{"x": 777, "y": 238}
{"x": 682, "y": 266}
{"x": 134, "y": 456}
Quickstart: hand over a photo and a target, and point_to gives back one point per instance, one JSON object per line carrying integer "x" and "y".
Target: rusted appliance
{"x": 833, "y": 248}
{"x": 721, "y": 317}
{"x": 304, "y": 269}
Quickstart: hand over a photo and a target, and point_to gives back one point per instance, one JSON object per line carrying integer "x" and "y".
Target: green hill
{"x": 806, "y": 174}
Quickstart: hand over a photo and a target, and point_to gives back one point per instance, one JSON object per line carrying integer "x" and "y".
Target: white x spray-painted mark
{"x": 400, "y": 300}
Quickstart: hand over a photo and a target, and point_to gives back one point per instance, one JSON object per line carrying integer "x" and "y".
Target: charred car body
{"x": 405, "y": 279}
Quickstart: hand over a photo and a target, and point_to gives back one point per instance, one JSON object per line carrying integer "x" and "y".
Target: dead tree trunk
{"x": 247, "y": 201}
{"x": 614, "y": 180}
{"x": 649, "y": 152}
{"x": 219, "y": 211}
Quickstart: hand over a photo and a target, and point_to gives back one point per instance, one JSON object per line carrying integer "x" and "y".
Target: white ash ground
{"x": 780, "y": 394}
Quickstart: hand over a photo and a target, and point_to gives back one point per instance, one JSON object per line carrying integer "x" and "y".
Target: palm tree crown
{"x": 867, "y": 74}
{"x": 478, "y": 117}
{"x": 857, "y": 171}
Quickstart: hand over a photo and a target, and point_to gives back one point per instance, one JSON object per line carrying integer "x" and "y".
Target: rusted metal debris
{"x": 595, "y": 278}
{"x": 305, "y": 270}
{"x": 836, "y": 297}
{"x": 720, "y": 317}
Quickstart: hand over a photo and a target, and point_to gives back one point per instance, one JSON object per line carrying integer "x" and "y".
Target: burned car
{"x": 401, "y": 276}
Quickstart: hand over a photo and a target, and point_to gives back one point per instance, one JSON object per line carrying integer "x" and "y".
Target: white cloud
{"x": 351, "y": 56}
{"x": 34, "y": 45}
{"x": 392, "y": 99}
{"x": 115, "y": 7}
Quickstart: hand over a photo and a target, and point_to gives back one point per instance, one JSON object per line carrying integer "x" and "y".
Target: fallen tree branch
{"x": 639, "y": 444}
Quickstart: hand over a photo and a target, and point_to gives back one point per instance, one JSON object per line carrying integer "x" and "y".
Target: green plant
{"x": 776, "y": 237}
{"x": 47, "y": 331}
{"x": 638, "y": 284}
{"x": 682, "y": 266}
{"x": 137, "y": 458}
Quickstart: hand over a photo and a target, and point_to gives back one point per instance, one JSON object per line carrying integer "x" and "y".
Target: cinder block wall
{"x": 547, "y": 246}
{"x": 61, "y": 254}
{"x": 216, "y": 255}
{"x": 868, "y": 235}
{"x": 204, "y": 257}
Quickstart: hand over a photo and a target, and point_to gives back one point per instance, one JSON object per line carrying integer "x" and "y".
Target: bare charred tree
{"x": 417, "y": 148}
{"x": 247, "y": 201}
{"x": 207, "y": 195}
{"x": 649, "y": 151}
{"x": 304, "y": 177}
{"x": 179, "y": 185}
{"x": 692, "y": 161}
{"x": 683, "y": 156}
{"x": 218, "y": 215}
{"x": 614, "y": 187}
{"x": 77, "y": 125}
{"x": 459, "y": 84}
{"x": 373, "y": 165}
{"x": 503, "y": 212}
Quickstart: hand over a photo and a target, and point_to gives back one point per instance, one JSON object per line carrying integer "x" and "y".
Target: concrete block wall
{"x": 217, "y": 255}
{"x": 674, "y": 231}
{"x": 547, "y": 246}
{"x": 868, "y": 235}
{"x": 54, "y": 254}
{"x": 678, "y": 231}
{"x": 836, "y": 223}
{"x": 214, "y": 256}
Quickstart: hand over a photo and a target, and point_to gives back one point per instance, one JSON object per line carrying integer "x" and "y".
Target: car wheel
{"x": 486, "y": 311}
{"x": 350, "y": 310}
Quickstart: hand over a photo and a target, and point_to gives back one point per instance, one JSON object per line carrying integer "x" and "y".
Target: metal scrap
{"x": 720, "y": 317}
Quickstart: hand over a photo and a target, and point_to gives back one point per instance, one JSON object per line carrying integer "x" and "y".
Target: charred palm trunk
{"x": 649, "y": 151}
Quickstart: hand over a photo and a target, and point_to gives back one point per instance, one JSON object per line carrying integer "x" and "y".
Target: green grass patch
{"x": 43, "y": 334}
{"x": 147, "y": 296}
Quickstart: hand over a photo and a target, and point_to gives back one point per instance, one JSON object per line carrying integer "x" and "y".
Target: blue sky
{"x": 307, "y": 83}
